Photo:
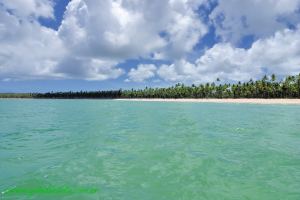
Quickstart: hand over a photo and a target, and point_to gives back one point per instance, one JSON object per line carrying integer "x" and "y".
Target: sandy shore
{"x": 249, "y": 101}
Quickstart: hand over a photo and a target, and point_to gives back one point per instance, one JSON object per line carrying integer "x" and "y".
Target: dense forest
{"x": 267, "y": 87}
{"x": 264, "y": 88}
{"x": 17, "y": 95}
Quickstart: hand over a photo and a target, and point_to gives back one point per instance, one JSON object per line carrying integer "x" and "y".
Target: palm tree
{"x": 273, "y": 77}
{"x": 287, "y": 88}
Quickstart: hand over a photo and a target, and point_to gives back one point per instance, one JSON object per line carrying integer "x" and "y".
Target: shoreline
{"x": 237, "y": 101}
{"x": 187, "y": 100}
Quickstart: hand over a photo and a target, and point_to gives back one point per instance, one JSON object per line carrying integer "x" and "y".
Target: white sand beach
{"x": 248, "y": 101}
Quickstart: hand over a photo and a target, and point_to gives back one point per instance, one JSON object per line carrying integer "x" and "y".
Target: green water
{"x": 94, "y": 149}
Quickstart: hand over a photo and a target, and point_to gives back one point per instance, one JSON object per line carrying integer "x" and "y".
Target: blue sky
{"x": 58, "y": 45}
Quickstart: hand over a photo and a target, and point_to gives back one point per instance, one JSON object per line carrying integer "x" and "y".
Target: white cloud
{"x": 234, "y": 19}
{"x": 279, "y": 54}
{"x": 89, "y": 69}
{"x": 27, "y": 8}
{"x": 181, "y": 70}
{"x": 27, "y": 49}
{"x": 130, "y": 28}
{"x": 95, "y": 36}
{"x": 141, "y": 73}
{"x": 184, "y": 30}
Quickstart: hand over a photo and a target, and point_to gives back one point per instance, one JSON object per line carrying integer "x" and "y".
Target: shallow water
{"x": 96, "y": 149}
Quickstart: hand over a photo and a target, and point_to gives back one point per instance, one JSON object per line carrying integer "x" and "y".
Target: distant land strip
{"x": 265, "y": 88}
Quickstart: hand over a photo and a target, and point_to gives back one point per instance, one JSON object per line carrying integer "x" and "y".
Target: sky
{"x": 62, "y": 45}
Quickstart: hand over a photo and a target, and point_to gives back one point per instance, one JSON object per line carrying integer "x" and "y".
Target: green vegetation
{"x": 16, "y": 95}
{"x": 264, "y": 88}
{"x": 113, "y": 94}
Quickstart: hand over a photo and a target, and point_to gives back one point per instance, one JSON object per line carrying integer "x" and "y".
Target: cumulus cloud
{"x": 279, "y": 54}
{"x": 96, "y": 36}
{"x": 27, "y": 49}
{"x": 184, "y": 30}
{"x": 129, "y": 29}
{"x": 30, "y": 8}
{"x": 141, "y": 73}
{"x": 88, "y": 68}
{"x": 181, "y": 70}
{"x": 234, "y": 19}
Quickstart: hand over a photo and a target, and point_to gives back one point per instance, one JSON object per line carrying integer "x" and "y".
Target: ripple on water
{"x": 143, "y": 150}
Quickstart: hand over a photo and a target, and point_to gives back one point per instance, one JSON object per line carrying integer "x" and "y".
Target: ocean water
{"x": 105, "y": 149}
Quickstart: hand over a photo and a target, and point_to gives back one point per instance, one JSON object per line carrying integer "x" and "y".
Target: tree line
{"x": 110, "y": 94}
{"x": 17, "y": 95}
{"x": 267, "y": 87}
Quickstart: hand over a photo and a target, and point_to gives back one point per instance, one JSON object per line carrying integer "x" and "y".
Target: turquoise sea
{"x": 117, "y": 150}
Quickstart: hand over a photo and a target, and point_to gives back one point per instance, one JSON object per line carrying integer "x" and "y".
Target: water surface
{"x": 96, "y": 149}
